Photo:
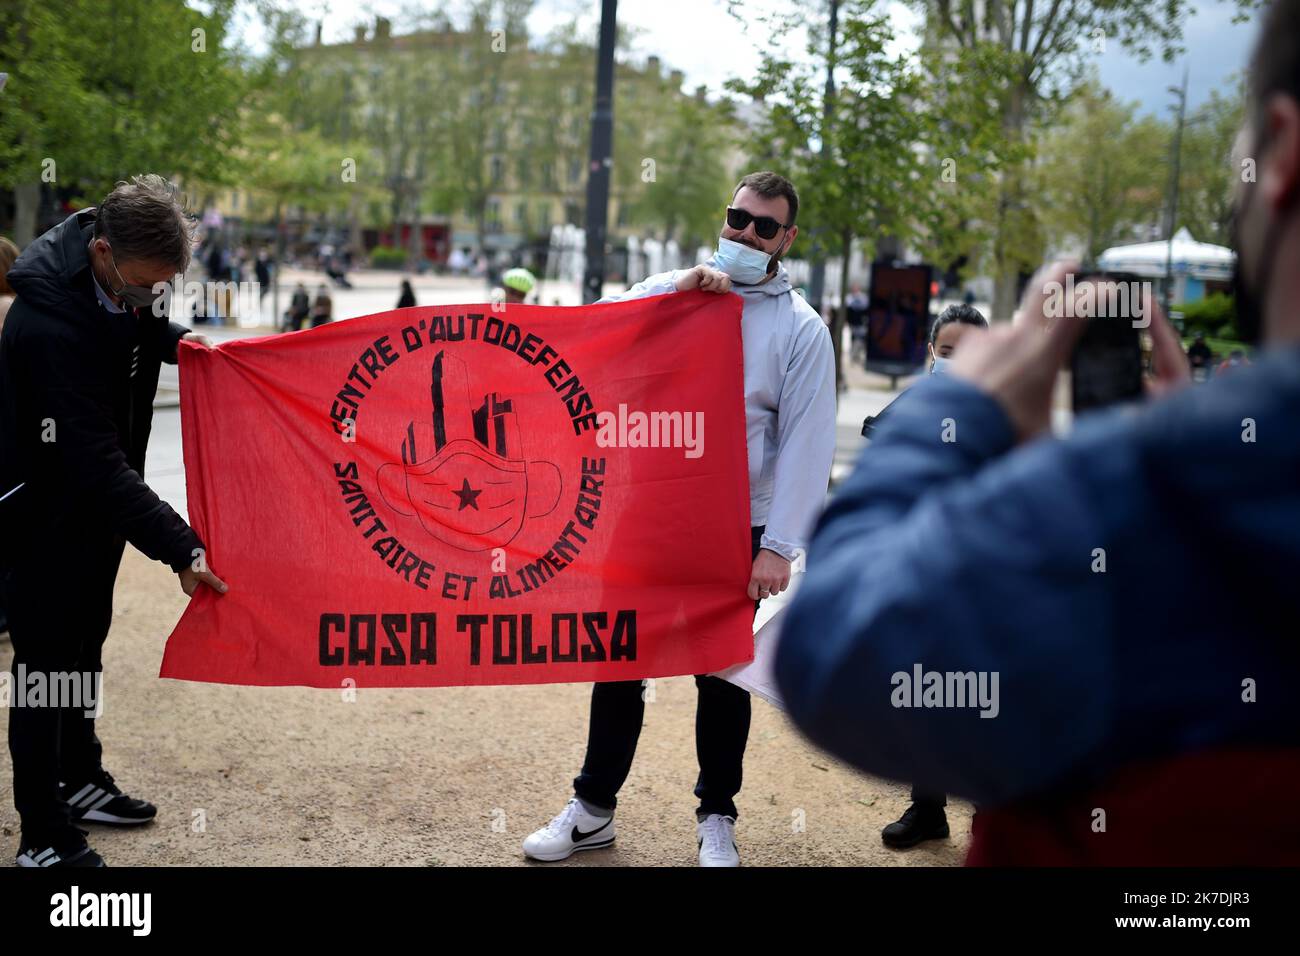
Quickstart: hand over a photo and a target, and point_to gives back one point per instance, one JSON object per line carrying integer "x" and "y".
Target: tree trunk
{"x": 1006, "y": 271}
{"x": 1006, "y": 275}
{"x": 277, "y": 264}
{"x": 27, "y": 200}
{"x": 415, "y": 239}
{"x": 354, "y": 225}
{"x": 839, "y": 315}
{"x": 398, "y": 203}
{"x": 480, "y": 230}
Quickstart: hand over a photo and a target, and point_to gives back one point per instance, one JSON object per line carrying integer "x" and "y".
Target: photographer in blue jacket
{"x": 1128, "y": 723}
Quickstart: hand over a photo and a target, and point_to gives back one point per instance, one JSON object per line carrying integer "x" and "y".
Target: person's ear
{"x": 99, "y": 246}
{"x": 1279, "y": 175}
{"x": 793, "y": 231}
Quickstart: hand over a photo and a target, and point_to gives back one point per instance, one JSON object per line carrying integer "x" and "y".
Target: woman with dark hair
{"x": 948, "y": 328}
{"x": 946, "y": 331}
{"x": 925, "y": 819}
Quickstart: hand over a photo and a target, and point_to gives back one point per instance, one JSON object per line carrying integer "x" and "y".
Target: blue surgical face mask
{"x": 940, "y": 366}
{"x": 745, "y": 265}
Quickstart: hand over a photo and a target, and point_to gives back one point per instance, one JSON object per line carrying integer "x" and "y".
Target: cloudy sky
{"x": 709, "y": 44}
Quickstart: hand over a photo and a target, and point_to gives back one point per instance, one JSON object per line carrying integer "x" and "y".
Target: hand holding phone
{"x": 1106, "y": 365}
{"x": 1128, "y": 349}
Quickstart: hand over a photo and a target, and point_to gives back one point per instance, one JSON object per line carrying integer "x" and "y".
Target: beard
{"x": 773, "y": 259}
{"x": 1247, "y": 305}
{"x": 1250, "y": 298}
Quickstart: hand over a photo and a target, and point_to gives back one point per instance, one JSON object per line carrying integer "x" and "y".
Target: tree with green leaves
{"x": 1042, "y": 49}
{"x": 856, "y": 159}
{"x": 84, "y": 107}
{"x": 966, "y": 150}
{"x": 1207, "y": 171}
{"x": 680, "y": 192}
{"x": 481, "y": 88}
{"x": 552, "y": 118}
{"x": 298, "y": 125}
{"x": 1100, "y": 176}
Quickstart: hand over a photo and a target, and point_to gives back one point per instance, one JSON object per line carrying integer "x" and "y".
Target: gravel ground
{"x": 448, "y": 776}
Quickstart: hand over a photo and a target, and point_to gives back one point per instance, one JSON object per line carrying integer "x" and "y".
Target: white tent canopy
{"x": 1199, "y": 260}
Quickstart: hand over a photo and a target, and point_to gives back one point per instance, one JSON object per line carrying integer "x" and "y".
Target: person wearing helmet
{"x": 518, "y": 283}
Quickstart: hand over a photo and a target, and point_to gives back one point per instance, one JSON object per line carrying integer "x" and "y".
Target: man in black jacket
{"x": 79, "y": 363}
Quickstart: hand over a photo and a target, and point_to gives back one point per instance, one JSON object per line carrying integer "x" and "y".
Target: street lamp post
{"x": 1171, "y": 219}
{"x": 600, "y": 159}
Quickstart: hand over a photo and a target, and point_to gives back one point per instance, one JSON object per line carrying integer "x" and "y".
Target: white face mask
{"x": 744, "y": 264}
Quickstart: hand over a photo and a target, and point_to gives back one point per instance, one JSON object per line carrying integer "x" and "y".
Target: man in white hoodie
{"x": 790, "y": 419}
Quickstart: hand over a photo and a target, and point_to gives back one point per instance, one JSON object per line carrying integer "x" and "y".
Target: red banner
{"x": 461, "y": 495}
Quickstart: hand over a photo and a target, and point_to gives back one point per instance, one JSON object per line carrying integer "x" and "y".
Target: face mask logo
{"x": 745, "y": 265}
{"x": 466, "y": 478}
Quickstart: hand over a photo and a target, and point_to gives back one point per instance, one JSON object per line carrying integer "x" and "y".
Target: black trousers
{"x": 60, "y": 608}
{"x": 929, "y": 801}
{"x": 721, "y": 732}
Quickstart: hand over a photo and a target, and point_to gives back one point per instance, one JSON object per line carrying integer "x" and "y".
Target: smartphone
{"x": 1106, "y": 365}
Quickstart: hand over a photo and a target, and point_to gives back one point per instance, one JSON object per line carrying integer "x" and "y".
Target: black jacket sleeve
{"x": 172, "y": 334}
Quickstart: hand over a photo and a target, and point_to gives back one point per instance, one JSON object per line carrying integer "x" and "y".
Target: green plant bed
{"x": 1212, "y": 315}
{"x": 387, "y": 257}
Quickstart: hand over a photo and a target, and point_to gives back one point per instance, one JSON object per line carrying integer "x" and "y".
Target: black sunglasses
{"x": 765, "y": 226}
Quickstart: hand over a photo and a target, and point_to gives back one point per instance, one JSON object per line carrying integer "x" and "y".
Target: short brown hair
{"x": 770, "y": 185}
{"x": 146, "y": 220}
{"x": 8, "y": 253}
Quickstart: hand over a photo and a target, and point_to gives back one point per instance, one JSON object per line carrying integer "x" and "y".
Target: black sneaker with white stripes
{"x": 71, "y": 850}
{"x": 99, "y": 800}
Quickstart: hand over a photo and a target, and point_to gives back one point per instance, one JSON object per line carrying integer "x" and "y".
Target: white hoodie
{"x": 789, "y": 404}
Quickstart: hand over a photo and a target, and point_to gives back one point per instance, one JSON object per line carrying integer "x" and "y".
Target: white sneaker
{"x": 573, "y": 829}
{"x": 718, "y": 841}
